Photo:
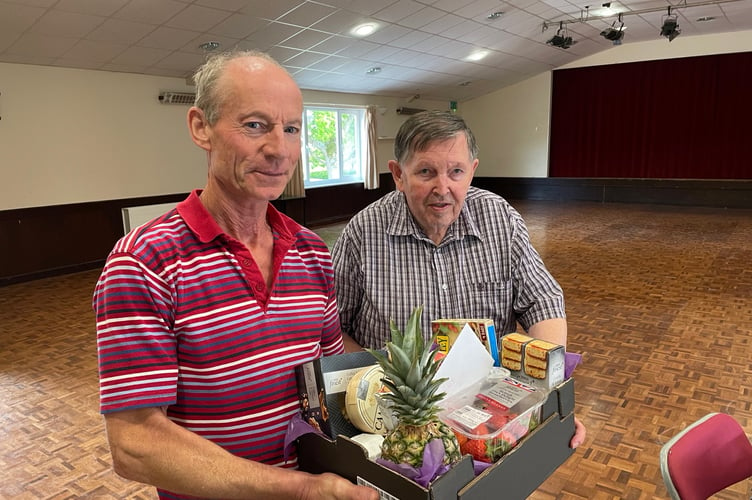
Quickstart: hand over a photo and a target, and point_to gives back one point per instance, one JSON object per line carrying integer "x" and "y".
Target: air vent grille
{"x": 177, "y": 97}
{"x": 408, "y": 111}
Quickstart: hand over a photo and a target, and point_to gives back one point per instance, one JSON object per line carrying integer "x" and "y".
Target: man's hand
{"x": 579, "y": 434}
{"x": 329, "y": 486}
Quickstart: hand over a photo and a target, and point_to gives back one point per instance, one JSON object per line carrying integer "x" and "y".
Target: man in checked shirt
{"x": 460, "y": 251}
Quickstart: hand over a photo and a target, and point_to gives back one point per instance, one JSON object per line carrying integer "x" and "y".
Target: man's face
{"x": 435, "y": 183}
{"x": 255, "y": 144}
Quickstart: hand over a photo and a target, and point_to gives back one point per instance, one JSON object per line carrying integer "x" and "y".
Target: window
{"x": 334, "y": 145}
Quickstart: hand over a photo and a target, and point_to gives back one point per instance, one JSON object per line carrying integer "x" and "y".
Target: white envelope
{"x": 467, "y": 363}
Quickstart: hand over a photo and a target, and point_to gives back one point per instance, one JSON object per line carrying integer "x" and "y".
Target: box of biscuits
{"x": 533, "y": 361}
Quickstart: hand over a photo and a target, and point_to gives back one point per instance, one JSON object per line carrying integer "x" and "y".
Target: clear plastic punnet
{"x": 491, "y": 417}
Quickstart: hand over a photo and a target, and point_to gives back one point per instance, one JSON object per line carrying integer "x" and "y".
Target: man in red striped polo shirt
{"x": 203, "y": 313}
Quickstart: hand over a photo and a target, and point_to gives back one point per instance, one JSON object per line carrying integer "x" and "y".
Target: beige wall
{"x": 512, "y": 125}
{"x": 69, "y": 136}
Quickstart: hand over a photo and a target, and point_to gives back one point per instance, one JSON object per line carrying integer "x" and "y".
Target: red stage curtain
{"x": 687, "y": 118}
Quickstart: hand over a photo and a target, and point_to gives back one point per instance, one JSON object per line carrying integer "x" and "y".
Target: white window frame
{"x": 362, "y": 140}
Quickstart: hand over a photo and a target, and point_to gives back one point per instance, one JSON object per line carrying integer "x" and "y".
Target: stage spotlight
{"x": 670, "y": 28}
{"x": 561, "y": 39}
{"x": 613, "y": 34}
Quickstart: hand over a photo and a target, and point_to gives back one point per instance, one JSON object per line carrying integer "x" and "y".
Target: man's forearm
{"x": 148, "y": 447}
{"x": 350, "y": 344}
{"x": 553, "y": 330}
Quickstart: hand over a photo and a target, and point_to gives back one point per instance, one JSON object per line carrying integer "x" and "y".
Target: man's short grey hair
{"x": 427, "y": 127}
{"x": 209, "y": 96}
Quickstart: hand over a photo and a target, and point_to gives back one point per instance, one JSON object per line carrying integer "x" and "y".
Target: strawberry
{"x": 476, "y": 448}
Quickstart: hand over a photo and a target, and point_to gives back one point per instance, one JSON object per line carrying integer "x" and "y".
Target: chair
{"x": 708, "y": 456}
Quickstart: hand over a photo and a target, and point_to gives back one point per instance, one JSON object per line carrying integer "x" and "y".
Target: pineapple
{"x": 408, "y": 374}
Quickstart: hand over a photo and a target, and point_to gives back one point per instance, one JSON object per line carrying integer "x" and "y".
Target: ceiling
{"x": 420, "y": 46}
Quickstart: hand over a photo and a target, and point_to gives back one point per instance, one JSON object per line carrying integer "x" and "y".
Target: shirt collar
{"x": 203, "y": 225}
{"x": 404, "y": 224}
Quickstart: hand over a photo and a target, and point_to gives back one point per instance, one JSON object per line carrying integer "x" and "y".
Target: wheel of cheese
{"x": 360, "y": 400}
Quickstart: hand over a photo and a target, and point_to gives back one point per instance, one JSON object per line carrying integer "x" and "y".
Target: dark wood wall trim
{"x": 704, "y": 193}
{"x": 45, "y": 241}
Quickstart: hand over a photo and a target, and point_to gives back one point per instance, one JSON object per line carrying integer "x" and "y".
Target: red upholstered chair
{"x": 708, "y": 456}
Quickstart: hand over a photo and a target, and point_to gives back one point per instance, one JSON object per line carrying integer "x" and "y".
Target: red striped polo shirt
{"x": 184, "y": 321}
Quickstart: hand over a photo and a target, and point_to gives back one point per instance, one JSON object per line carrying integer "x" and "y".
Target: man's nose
{"x": 275, "y": 144}
{"x": 441, "y": 185}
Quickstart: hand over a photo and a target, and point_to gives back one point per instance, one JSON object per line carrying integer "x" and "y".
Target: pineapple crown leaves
{"x": 409, "y": 372}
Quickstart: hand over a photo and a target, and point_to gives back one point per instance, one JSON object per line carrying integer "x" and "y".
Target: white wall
{"x": 69, "y": 136}
{"x": 512, "y": 124}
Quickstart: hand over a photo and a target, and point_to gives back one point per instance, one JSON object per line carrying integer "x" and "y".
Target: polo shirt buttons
{"x": 246, "y": 263}
{"x": 445, "y": 287}
{"x": 259, "y": 287}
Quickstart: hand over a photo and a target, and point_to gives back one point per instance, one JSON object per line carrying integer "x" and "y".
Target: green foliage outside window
{"x": 333, "y": 145}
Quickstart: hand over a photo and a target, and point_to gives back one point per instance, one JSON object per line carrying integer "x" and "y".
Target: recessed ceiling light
{"x": 209, "y": 46}
{"x": 494, "y": 15}
{"x": 705, "y": 19}
{"x": 477, "y": 55}
{"x": 373, "y": 71}
{"x": 364, "y": 29}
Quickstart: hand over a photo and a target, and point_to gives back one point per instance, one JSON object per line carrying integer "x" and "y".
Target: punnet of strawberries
{"x": 490, "y": 421}
{"x": 490, "y": 450}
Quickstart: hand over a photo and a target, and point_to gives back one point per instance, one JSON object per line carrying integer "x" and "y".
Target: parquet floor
{"x": 659, "y": 300}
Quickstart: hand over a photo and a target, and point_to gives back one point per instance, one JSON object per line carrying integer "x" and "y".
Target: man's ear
{"x": 396, "y": 170}
{"x": 199, "y": 128}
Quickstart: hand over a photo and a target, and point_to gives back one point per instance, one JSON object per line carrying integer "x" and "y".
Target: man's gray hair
{"x": 424, "y": 128}
{"x": 209, "y": 96}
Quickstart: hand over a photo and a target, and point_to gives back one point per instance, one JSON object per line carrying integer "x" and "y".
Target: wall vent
{"x": 177, "y": 97}
{"x": 408, "y": 111}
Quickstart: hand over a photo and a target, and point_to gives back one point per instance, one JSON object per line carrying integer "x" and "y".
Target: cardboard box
{"x": 322, "y": 385}
{"x": 515, "y": 476}
{"x": 446, "y": 331}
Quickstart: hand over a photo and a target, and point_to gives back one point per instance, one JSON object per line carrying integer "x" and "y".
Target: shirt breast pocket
{"x": 491, "y": 299}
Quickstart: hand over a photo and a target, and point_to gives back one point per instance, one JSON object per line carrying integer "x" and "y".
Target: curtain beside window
{"x": 295, "y": 187}
{"x": 371, "y": 173}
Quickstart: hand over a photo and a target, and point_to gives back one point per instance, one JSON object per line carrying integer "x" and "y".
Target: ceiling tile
{"x": 368, "y": 7}
{"x": 270, "y": 9}
{"x": 305, "y": 39}
{"x": 340, "y": 21}
{"x": 333, "y": 44}
{"x": 66, "y": 24}
{"x": 197, "y": 18}
{"x": 43, "y": 46}
{"x": 167, "y": 38}
{"x": 18, "y": 17}
{"x": 306, "y": 14}
{"x": 273, "y": 34}
{"x": 94, "y": 7}
{"x": 140, "y": 56}
{"x": 239, "y": 26}
{"x": 149, "y": 11}
{"x": 230, "y": 5}
{"x": 98, "y": 52}
{"x": 421, "y": 18}
{"x": 120, "y": 31}
{"x": 397, "y": 11}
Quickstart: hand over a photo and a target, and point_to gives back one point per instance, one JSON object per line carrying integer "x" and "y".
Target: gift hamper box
{"x": 519, "y": 472}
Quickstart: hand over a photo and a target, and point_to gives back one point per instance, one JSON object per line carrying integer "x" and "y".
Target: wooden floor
{"x": 659, "y": 300}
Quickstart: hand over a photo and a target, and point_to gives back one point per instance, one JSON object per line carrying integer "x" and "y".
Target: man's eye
{"x": 292, "y": 130}
{"x": 254, "y": 125}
